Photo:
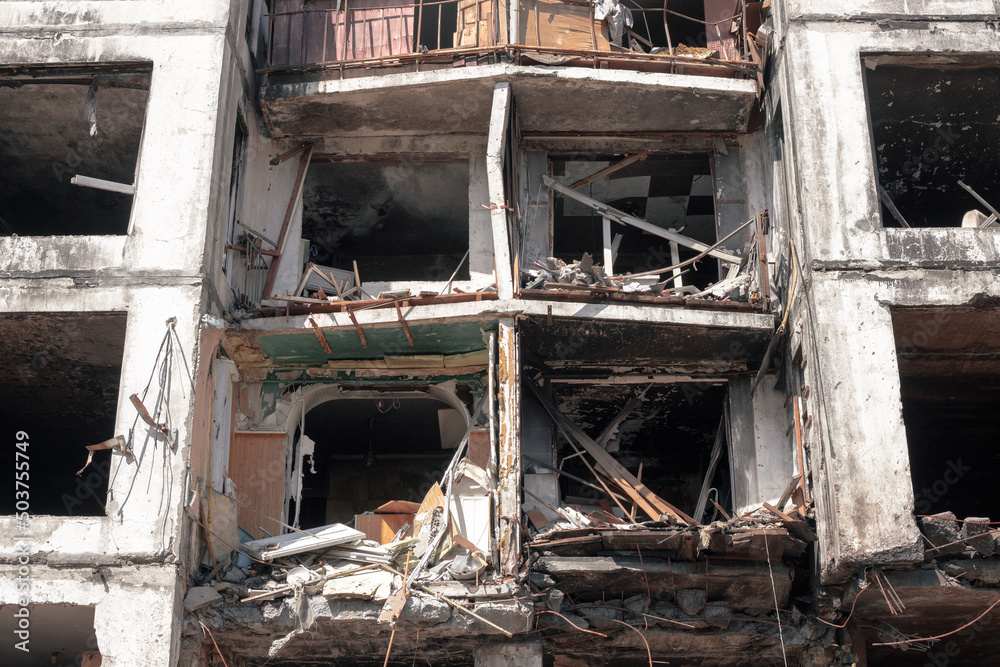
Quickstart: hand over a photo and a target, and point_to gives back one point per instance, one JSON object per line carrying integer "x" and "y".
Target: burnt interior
{"x": 370, "y": 451}
{"x": 57, "y": 125}
{"x": 929, "y": 126}
{"x": 949, "y": 360}
{"x": 405, "y": 220}
{"x": 437, "y": 24}
{"x": 59, "y": 379}
{"x": 669, "y": 191}
{"x": 652, "y": 23}
{"x": 670, "y": 433}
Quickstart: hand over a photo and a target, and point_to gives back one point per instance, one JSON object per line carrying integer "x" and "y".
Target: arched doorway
{"x": 368, "y": 447}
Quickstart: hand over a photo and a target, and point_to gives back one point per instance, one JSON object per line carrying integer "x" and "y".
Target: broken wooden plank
{"x": 607, "y": 171}
{"x": 272, "y": 270}
{"x": 650, "y": 503}
{"x": 706, "y": 484}
{"x": 626, "y": 219}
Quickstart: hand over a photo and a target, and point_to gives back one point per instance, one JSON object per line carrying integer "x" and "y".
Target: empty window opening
{"x": 398, "y": 220}
{"x": 438, "y": 24}
{"x": 950, "y": 391}
{"x": 670, "y": 191}
{"x": 59, "y": 380}
{"x": 929, "y": 125}
{"x": 57, "y": 127}
{"x": 670, "y": 433}
{"x": 370, "y": 451}
{"x": 61, "y": 633}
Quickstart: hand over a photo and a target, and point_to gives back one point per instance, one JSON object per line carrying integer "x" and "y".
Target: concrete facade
{"x": 769, "y": 433}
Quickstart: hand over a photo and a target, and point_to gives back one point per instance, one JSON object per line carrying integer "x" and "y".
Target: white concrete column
{"x": 857, "y": 442}
{"x": 495, "y": 151}
{"x": 761, "y": 454}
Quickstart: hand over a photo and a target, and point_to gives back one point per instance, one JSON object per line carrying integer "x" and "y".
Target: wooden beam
{"x": 626, "y": 219}
{"x": 598, "y": 175}
{"x": 101, "y": 184}
{"x": 272, "y": 271}
{"x": 651, "y": 504}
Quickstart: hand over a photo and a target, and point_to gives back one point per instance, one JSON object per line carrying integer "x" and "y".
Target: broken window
{"x": 400, "y": 221}
{"x": 672, "y": 192}
{"x": 930, "y": 119}
{"x": 59, "y": 380}
{"x": 69, "y": 146}
{"x": 371, "y": 449}
{"x": 950, "y": 394}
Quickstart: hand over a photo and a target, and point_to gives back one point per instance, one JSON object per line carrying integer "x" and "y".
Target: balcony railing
{"x": 388, "y": 32}
{"x": 365, "y": 30}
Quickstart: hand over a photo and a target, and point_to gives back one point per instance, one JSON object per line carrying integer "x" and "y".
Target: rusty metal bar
{"x": 320, "y": 336}
{"x": 357, "y": 327}
{"x": 765, "y": 288}
{"x": 402, "y": 320}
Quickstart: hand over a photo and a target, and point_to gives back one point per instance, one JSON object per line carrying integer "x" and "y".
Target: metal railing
{"x": 390, "y": 32}
{"x": 360, "y": 30}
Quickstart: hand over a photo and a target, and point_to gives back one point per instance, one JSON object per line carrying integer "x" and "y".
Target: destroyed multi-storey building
{"x": 475, "y": 332}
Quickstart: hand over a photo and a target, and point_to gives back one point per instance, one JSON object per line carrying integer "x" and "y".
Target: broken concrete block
{"x": 200, "y": 597}
{"x": 553, "y": 621}
{"x": 541, "y": 580}
{"x": 512, "y": 615}
{"x": 234, "y": 575}
{"x": 425, "y": 610}
{"x": 942, "y": 529}
{"x": 985, "y": 545}
{"x": 691, "y": 600}
{"x": 554, "y": 599}
{"x": 600, "y": 614}
{"x": 373, "y": 585}
{"x": 637, "y": 604}
{"x": 719, "y": 614}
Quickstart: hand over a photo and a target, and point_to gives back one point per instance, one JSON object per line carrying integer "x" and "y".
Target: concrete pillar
{"x": 509, "y": 446}
{"x": 510, "y": 655}
{"x": 857, "y": 443}
{"x": 761, "y": 455}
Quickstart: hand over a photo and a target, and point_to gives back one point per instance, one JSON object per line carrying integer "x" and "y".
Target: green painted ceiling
{"x": 303, "y": 347}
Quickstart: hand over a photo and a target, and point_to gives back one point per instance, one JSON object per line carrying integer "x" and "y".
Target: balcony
{"x": 364, "y": 67}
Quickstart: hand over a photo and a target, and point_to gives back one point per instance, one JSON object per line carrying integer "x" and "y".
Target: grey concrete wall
{"x": 873, "y": 9}
{"x": 835, "y": 178}
{"x": 857, "y": 441}
{"x": 155, "y": 273}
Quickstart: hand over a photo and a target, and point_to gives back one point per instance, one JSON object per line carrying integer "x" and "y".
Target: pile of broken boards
{"x": 964, "y": 549}
{"x": 669, "y": 576}
{"x": 403, "y": 555}
{"x": 583, "y": 275}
